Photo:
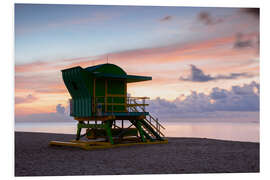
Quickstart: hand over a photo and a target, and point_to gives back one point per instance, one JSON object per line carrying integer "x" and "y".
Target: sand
{"x": 34, "y": 157}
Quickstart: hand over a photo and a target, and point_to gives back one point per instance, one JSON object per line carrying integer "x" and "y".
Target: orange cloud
{"x": 164, "y": 64}
{"x": 174, "y": 53}
{"x": 28, "y": 99}
{"x": 35, "y": 66}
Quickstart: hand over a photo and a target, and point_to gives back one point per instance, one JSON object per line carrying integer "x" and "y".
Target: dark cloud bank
{"x": 60, "y": 109}
{"x": 252, "y": 11}
{"x": 219, "y": 103}
{"x": 197, "y": 75}
{"x": 241, "y": 42}
{"x": 61, "y": 115}
{"x": 207, "y": 19}
{"x": 224, "y": 105}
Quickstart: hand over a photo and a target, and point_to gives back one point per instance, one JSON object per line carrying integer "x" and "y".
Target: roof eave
{"x": 129, "y": 78}
{"x": 134, "y": 78}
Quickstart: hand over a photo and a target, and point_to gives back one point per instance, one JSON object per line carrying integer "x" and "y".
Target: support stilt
{"x": 108, "y": 125}
{"x": 78, "y": 131}
{"x": 137, "y": 124}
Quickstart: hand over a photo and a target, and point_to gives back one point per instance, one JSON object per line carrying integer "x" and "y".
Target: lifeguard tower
{"x": 103, "y": 109}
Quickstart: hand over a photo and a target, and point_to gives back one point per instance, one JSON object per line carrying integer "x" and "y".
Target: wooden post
{"x": 112, "y": 105}
{"x": 105, "y": 100}
{"x": 108, "y": 130}
{"x": 125, "y": 94}
{"x": 139, "y": 127}
{"x": 94, "y": 96}
{"x": 157, "y": 123}
{"x": 78, "y": 135}
{"x": 143, "y": 105}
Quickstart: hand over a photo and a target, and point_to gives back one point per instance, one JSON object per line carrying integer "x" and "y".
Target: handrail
{"x": 130, "y": 104}
{"x": 143, "y": 97}
{"x": 156, "y": 128}
{"x": 122, "y": 95}
{"x": 108, "y": 101}
{"x": 153, "y": 126}
{"x": 151, "y": 116}
{"x": 158, "y": 125}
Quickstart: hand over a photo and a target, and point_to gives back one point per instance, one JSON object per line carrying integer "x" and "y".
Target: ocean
{"x": 235, "y": 131}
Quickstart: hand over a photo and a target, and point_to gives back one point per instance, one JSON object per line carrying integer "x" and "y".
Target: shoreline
{"x": 34, "y": 157}
{"x": 170, "y": 137}
{"x": 247, "y": 132}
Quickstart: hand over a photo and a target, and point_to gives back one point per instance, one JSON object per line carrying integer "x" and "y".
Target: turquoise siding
{"x": 79, "y": 87}
{"x": 110, "y": 87}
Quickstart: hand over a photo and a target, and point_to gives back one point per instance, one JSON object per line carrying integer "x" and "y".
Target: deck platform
{"x": 91, "y": 145}
{"x": 115, "y": 116}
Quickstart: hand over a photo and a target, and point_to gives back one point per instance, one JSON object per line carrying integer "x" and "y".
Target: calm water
{"x": 214, "y": 130}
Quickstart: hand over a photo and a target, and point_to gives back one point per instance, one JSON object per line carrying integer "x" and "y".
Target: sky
{"x": 204, "y": 62}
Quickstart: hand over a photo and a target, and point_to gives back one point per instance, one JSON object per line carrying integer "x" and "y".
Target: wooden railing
{"x": 127, "y": 104}
{"x": 150, "y": 119}
{"x": 111, "y": 103}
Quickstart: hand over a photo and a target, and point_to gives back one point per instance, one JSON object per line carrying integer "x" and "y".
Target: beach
{"x": 34, "y": 157}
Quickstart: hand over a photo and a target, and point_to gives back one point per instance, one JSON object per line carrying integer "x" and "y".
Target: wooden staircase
{"x": 150, "y": 124}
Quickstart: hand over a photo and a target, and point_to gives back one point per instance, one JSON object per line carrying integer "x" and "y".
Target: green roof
{"x": 114, "y": 71}
{"x": 111, "y": 71}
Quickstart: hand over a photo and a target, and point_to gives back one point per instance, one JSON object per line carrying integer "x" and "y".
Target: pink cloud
{"x": 40, "y": 83}
{"x": 174, "y": 53}
{"x": 34, "y": 66}
{"x": 164, "y": 64}
{"x": 28, "y": 99}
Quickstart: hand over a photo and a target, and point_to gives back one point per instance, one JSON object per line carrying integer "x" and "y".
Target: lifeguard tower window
{"x": 116, "y": 87}
{"x": 74, "y": 85}
{"x": 100, "y": 87}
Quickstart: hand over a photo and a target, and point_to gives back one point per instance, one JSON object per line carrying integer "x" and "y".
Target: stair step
{"x": 149, "y": 123}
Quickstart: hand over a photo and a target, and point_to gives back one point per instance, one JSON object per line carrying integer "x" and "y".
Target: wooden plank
{"x": 134, "y": 105}
{"x": 116, "y": 95}
{"x": 101, "y": 145}
{"x": 100, "y": 118}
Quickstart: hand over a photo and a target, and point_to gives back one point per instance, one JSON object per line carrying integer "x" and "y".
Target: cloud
{"x": 207, "y": 19}
{"x": 243, "y": 42}
{"x": 240, "y": 102}
{"x": 41, "y": 82}
{"x": 28, "y": 99}
{"x": 233, "y": 76}
{"x": 252, "y": 11}
{"x": 37, "y": 65}
{"x": 61, "y": 115}
{"x": 44, "y": 117}
{"x": 60, "y": 109}
{"x": 166, "y": 18}
{"x": 197, "y": 75}
{"x": 244, "y": 98}
{"x": 51, "y": 91}
{"x": 184, "y": 51}
{"x": 240, "y": 42}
